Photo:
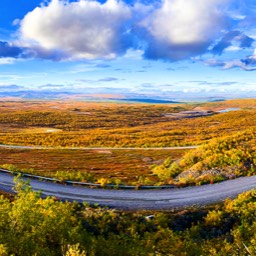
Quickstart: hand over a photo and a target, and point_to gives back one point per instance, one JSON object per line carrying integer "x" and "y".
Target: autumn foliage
{"x": 30, "y": 225}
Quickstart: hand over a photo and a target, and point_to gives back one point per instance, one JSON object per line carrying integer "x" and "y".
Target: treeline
{"x": 219, "y": 159}
{"x": 30, "y": 225}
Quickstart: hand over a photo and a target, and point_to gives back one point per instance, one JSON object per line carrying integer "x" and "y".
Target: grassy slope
{"x": 137, "y": 125}
{"x": 219, "y": 159}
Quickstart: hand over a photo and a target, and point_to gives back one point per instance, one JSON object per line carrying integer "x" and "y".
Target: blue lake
{"x": 228, "y": 110}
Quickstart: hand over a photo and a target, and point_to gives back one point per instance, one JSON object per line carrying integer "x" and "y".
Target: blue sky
{"x": 172, "y": 49}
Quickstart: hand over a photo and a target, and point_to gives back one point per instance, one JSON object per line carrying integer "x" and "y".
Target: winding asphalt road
{"x": 136, "y": 199}
{"x": 140, "y": 199}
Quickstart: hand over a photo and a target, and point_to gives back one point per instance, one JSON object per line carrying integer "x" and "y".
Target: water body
{"x": 147, "y": 100}
{"x": 228, "y": 110}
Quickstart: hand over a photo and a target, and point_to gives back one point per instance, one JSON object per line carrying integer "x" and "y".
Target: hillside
{"x": 219, "y": 159}
{"x": 89, "y": 124}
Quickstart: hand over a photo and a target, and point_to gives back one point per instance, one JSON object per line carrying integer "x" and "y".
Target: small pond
{"x": 228, "y": 110}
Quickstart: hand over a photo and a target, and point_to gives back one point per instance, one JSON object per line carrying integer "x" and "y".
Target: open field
{"x": 119, "y": 125}
{"x": 129, "y": 166}
{"x": 83, "y": 124}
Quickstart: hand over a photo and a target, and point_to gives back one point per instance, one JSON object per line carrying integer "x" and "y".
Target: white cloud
{"x": 186, "y": 22}
{"x": 7, "y": 61}
{"x": 233, "y": 48}
{"x": 185, "y": 27}
{"x": 171, "y": 30}
{"x": 83, "y": 29}
{"x": 230, "y": 64}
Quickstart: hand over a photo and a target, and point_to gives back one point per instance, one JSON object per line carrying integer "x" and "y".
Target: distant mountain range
{"x": 153, "y": 98}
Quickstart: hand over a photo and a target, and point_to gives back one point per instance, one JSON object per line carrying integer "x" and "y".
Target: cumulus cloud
{"x": 83, "y": 29}
{"x": 171, "y": 30}
{"x": 250, "y": 60}
{"x": 8, "y": 50}
{"x": 86, "y": 29}
{"x": 180, "y": 29}
{"x": 230, "y": 38}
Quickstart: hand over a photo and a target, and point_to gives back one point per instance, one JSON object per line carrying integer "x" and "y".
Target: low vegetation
{"x": 118, "y": 125}
{"x": 77, "y": 124}
{"x": 30, "y": 225}
{"x": 219, "y": 159}
{"x": 118, "y": 167}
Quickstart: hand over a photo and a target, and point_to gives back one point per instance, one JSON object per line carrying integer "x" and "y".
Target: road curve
{"x": 140, "y": 199}
{"x": 96, "y": 148}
